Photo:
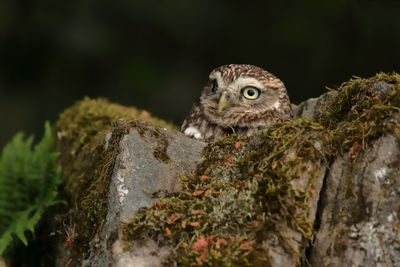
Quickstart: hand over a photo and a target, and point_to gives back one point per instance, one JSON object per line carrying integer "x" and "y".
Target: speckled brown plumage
{"x": 240, "y": 99}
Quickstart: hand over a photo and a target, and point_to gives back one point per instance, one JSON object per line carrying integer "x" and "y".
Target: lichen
{"x": 88, "y": 136}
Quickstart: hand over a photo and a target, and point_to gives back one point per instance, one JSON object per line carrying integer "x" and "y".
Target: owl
{"x": 238, "y": 99}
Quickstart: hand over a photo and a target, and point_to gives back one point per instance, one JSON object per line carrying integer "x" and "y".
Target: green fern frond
{"x": 29, "y": 179}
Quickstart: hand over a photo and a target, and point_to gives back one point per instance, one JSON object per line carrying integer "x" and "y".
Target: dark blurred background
{"x": 156, "y": 55}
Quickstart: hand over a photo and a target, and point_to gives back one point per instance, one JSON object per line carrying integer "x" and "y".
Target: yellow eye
{"x": 251, "y": 93}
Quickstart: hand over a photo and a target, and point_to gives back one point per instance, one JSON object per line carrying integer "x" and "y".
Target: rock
{"x": 358, "y": 210}
{"x": 310, "y": 108}
{"x": 150, "y": 161}
{"x": 359, "y": 220}
{"x": 320, "y": 189}
{"x": 235, "y": 175}
{"x": 134, "y": 161}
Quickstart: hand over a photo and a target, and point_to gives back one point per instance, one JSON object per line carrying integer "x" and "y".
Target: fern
{"x": 29, "y": 178}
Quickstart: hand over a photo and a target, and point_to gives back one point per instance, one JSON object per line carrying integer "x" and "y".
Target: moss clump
{"x": 238, "y": 197}
{"x": 88, "y": 134}
{"x": 362, "y": 110}
{"x": 358, "y": 95}
{"x": 161, "y": 142}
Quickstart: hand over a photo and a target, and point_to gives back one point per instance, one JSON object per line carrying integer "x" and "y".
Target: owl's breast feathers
{"x": 198, "y": 126}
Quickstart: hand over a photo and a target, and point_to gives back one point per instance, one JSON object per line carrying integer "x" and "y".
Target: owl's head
{"x": 244, "y": 95}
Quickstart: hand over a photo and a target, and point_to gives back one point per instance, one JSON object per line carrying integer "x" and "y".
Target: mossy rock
{"x": 249, "y": 202}
{"x": 247, "y": 182}
{"x": 88, "y": 136}
{"x": 86, "y": 127}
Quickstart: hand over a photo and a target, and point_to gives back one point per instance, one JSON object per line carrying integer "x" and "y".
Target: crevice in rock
{"x": 318, "y": 215}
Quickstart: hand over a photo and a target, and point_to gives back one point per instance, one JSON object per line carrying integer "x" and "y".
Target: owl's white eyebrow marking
{"x": 193, "y": 131}
{"x": 242, "y": 82}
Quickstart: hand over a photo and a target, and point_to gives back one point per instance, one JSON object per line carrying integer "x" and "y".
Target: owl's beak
{"x": 223, "y": 102}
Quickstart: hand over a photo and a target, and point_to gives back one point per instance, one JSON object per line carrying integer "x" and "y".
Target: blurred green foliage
{"x": 157, "y": 55}
{"x": 29, "y": 179}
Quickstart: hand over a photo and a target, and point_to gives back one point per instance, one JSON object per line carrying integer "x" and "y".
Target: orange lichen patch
{"x": 220, "y": 242}
{"x": 200, "y": 244}
{"x": 167, "y": 232}
{"x": 195, "y": 224}
{"x": 197, "y": 193}
{"x": 247, "y": 245}
{"x": 183, "y": 224}
{"x": 254, "y": 224}
{"x": 204, "y": 178}
{"x": 173, "y": 217}
{"x": 196, "y": 212}
{"x": 238, "y": 144}
{"x": 354, "y": 150}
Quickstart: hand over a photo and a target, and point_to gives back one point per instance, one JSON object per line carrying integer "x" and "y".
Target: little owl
{"x": 238, "y": 99}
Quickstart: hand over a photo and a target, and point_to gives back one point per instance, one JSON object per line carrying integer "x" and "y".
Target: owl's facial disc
{"x": 234, "y": 96}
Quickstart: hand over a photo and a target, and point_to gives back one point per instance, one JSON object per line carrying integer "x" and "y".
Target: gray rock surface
{"x": 360, "y": 219}
{"x": 358, "y": 213}
{"x": 139, "y": 174}
{"x": 310, "y": 108}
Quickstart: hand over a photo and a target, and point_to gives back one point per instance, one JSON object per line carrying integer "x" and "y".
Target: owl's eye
{"x": 251, "y": 93}
{"x": 214, "y": 86}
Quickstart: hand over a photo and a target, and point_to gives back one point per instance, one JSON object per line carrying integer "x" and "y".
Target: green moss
{"x": 88, "y": 136}
{"x": 161, "y": 145}
{"x": 358, "y": 95}
{"x": 362, "y": 109}
{"x": 240, "y": 194}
